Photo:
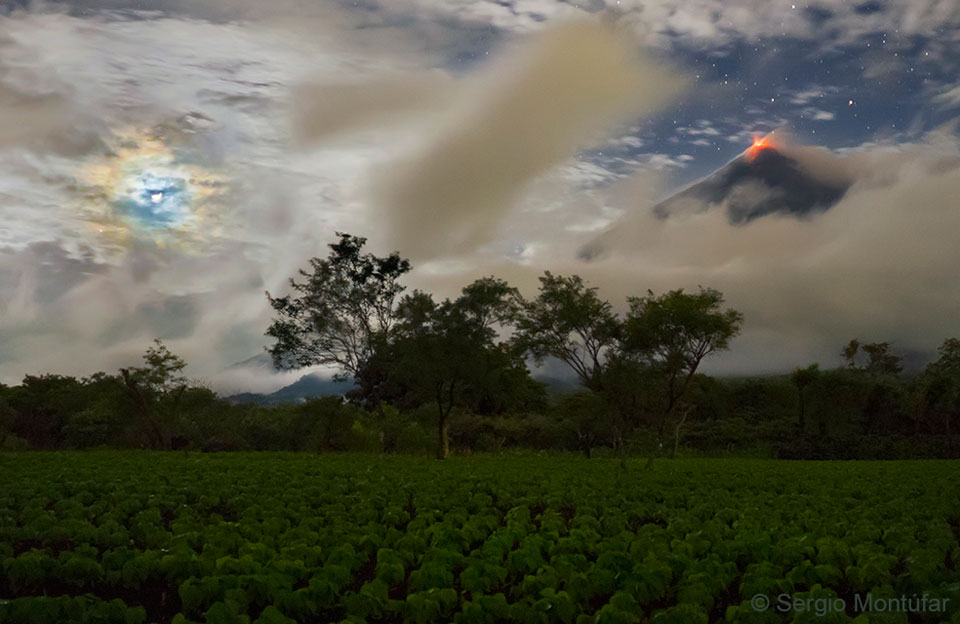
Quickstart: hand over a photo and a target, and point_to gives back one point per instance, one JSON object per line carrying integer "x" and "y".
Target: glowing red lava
{"x": 758, "y": 146}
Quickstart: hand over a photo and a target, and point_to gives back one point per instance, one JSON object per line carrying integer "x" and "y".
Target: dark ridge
{"x": 782, "y": 184}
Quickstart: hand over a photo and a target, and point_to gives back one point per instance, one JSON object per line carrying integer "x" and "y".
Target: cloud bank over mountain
{"x": 476, "y": 138}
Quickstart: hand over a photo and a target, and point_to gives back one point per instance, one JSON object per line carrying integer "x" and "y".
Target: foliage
{"x": 937, "y": 393}
{"x": 448, "y": 353}
{"x": 880, "y": 357}
{"x": 132, "y": 537}
{"x": 570, "y": 322}
{"x": 343, "y": 309}
{"x": 672, "y": 334}
{"x": 801, "y": 378}
{"x": 156, "y": 390}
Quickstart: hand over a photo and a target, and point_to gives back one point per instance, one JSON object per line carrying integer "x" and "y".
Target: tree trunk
{"x": 802, "y": 424}
{"x": 676, "y": 436}
{"x": 443, "y": 436}
{"x": 619, "y": 446}
{"x": 443, "y": 439}
{"x": 157, "y": 437}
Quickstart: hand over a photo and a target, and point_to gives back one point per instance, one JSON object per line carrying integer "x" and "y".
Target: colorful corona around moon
{"x": 145, "y": 189}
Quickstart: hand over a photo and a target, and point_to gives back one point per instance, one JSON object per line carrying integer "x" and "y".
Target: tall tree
{"x": 344, "y": 308}
{"x": 849, "y": 353}
{"x": 880, "y": 357}
{"x": 444, "y": 352}
{"x": 881, "y": 360}
{"x": 878, "y": 371}
{"x": 802, "y": 378}
{"x": 570, "y": 322}
{"x": 156, "y": 390}
{"x": 672, "y": 333}
{"x": 939, "y": 389}
{"x": 7, "y": 416}
{"x": 42, "y": 405}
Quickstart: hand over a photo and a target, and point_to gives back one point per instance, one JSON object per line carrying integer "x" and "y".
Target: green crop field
{"x": 270, "y": 537}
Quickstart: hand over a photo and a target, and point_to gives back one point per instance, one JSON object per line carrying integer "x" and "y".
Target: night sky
{"x": 163, "y": 164}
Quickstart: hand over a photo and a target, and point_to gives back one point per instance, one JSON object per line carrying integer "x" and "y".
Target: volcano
{"x": 762, "y": 181}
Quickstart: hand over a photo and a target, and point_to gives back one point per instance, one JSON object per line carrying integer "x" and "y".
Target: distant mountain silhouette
{"x": 308, "y": 386}
{"x": 760, "y": 182}
{"x": 318, "y": 384}
{"x": 261, "y": 361}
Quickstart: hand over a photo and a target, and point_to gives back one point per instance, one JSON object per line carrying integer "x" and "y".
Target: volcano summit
{"x": 766, "y": 179}
{"x": 763, "y": 180}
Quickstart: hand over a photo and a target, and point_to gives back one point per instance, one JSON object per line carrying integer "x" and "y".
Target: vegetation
{"x": 133, "y": 537}
{"x": 434, "y": 376}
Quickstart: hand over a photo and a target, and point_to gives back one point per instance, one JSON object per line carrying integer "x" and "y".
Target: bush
{"x": 91, "y": 427}
{"x": 364, "y": 436}
{"x": 819, "y": 447}
{"x": 410, "y": 431}
{"x": 871, "y": 447}
{"x": 493, "y": 433}
{"x": 13, "y": 442}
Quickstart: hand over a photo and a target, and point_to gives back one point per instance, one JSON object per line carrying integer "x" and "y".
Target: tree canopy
{"x": 346, "y": 304}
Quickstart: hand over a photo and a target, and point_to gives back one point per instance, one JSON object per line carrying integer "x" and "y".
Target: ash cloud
{"x": 530, "y": 112}
{"x": 880, "y": 264}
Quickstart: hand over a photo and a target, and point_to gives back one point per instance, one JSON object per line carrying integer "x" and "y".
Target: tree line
{"x": 349, "y": 311}
{"x": 433, "y": 374}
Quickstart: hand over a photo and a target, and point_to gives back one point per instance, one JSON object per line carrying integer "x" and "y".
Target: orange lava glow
{"x": 758, "y": 146}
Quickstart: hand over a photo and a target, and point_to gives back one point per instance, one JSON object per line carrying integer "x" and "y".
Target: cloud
{"x": 879, "y": 264}
{"x": 531, "y": 111}
{"x": 809, "y": 94}
{"x": 718, "y": 24}
{"x": 949, "y": 98}
{"x": 30, "y": 118}
{"x": 321, "y": 109}
{"x": 818, "y": 114}
{"x": 75, "y": 296}
{"x": 474, "y": 164}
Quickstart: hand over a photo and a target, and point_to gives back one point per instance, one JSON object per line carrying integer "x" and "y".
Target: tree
{"x": 449, "y": 351}
{"x": 849, "y": 353}
{"x": 883, "y": 406}
{"x": 588, "y": 418}
{"x": 156, "y": 390}
{"x": 103, "y": 417}
{"x": 342, "y": 311}
{"x": 838, "y": 399}
{"x": 7, "y": 416}
{"x": 801, "y": 378}
{"x": 673, "y": 333}
{"x": 939, "y": 388}
{"x": 42, "y": 405}
{"x": 879, "y": 371}
{"x": 570, "y": 322}
{"x": 880, "y": 357}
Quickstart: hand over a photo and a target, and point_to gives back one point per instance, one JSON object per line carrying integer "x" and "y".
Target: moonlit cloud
{"x": 532, "y": 111}
{"x": 164, "y": 162}
{"x": 949, "y": 98}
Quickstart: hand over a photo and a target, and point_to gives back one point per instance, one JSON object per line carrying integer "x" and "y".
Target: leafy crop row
{"x": 272, "y": 538}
